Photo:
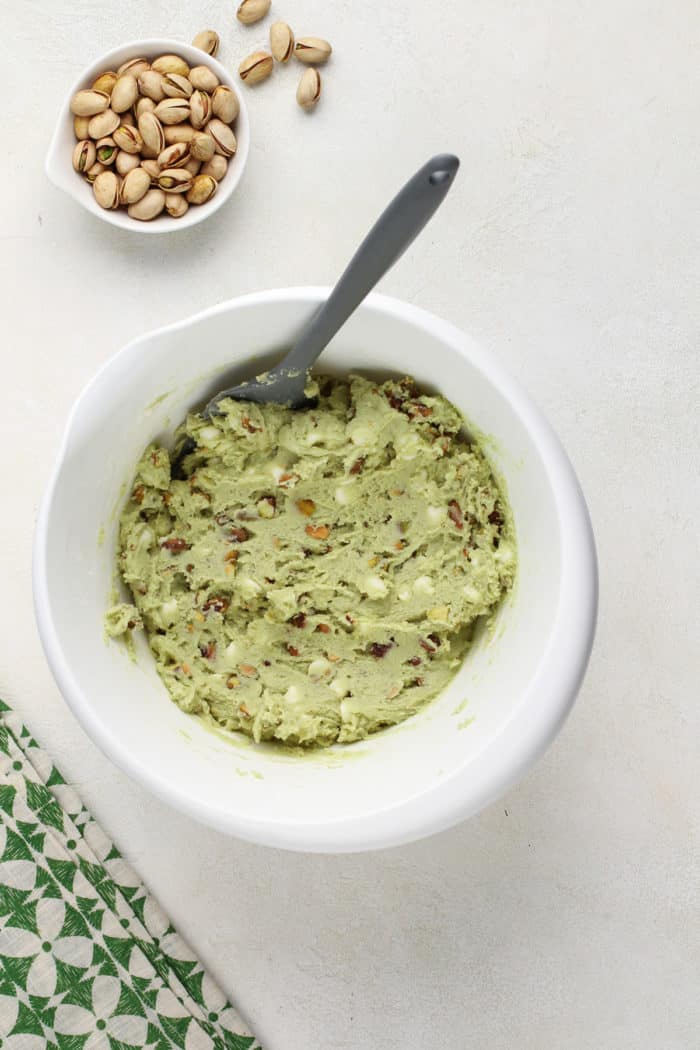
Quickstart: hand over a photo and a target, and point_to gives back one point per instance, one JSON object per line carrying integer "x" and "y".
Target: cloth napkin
{"x": 88, "y": 960}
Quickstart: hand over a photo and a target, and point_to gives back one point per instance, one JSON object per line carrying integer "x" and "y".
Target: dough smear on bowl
{"x": 312, "y": 576}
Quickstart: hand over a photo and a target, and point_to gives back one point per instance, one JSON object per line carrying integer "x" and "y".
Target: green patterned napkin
{"x": 88, "y": 960}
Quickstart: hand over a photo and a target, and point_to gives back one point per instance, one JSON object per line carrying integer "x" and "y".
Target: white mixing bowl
{"x": 449, "y": 761}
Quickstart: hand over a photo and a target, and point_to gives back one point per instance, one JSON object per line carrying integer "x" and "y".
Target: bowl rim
{"x": 531, "y": 727}
{"x": 59, "y": 169}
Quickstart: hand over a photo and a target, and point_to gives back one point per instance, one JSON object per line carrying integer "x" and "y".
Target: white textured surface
{"x": 568, "y": 914}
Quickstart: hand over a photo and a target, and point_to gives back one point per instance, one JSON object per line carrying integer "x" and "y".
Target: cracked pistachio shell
{"x": 176, "y": 86}
{"x": 103, "y": 124}
{"x": 207, "y": 41}
{"x": 124, "y": 93}
{"x": 193, "y": 166}
{"x": 105, "y": 82}
{"x": 203, "y": 79}
{"x": 107, "y": 151}
{"x": 173, "y": 110}
{"x": 203, "y": 189}
{"x": 84, "y": 156}
{"x": 96, "y": 169}
{"x": 150, "y": 85}
{"x": 149, "y": 207}
{"x": 153, "y": 169}
{"x": 256, "y": 67}
{"x": 251, "y": 11}
{"x": 126, "y": 162}
{"x": 171, "y": 64}
{"x": 225, "y": 104}
{"x": 200, "y": 109}
{"x": 178, "y": 133}
{"x": 128, "y": 138}
{"x": 281, "y": 41}
{"x": 312, "y": 50}
{"x": 224, "y": 139}
{"x": 144, "y": 105}
{"x": 175, "y": 156}
{"x": 81, "y": 127}
{"x": 175, "y": 180}
{"x": 88, "y": 103}
{"x": 135, "y": 185}
{"x": 309, "y": 89}
{"x": 151, "y": 131}
{"x": 216, "y": 167}
{"x": 134, "y": 66}
{"x": 202, "y": 146}
{"x": 176, "y": 205}
{"x": 106, "y": 189}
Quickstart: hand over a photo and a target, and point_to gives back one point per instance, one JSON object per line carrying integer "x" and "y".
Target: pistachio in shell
{"x": 176, "y": 86}
{"x": 175, "y": 180}
{"x": 203, "y": 189}
{"x": 224, "y": 139}
{"x": 178, "y": 133}
{"x": 149, "y": 207}
{"x": 105, "y": 82}
{"x": 81, "y": 127}
{"x": 124, "y": 93}
{"x": 84, "y": 156}
{"x": 106, "y": 189}
{"x": 225, "y": 104}
{"x": 171, "y": 64}
{"x": 202, "y": 78}
{"x": 176, "y": 205}
{"x": 207, "y": 41}
{"x": 107, "y": 150}
{"x": 202, "y": 146}
{"x": 152, "y": 134}
{"x": 103, "y": 124}
{"x": 256, "y": 67}
{"x": 128, "y": 138}
{"x": 250, "y": 11}
{"x": 150, "y": 84}
{"x": 126, "y": 162}
{"x": 312, "y": 50}
{"x": 135, "y": 185}
{"x": 88, "y": 103}
{"x": 173, "y": 110}
{"x": 216, "y": 167}
{"x": 281, "y": 41}
{"x": 200, "y": 109}
{"x": 175, "y": 156}
{"x": 134, "y": 66}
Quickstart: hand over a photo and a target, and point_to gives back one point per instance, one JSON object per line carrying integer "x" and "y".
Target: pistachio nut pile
{"x": 157, "y": 135}
{"x": 312, "y": 51}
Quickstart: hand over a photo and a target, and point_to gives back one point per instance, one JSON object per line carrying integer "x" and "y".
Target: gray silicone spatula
{"x": 388, "y": 239}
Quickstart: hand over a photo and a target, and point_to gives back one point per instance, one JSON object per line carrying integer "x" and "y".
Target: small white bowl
{"x": 450, "y": 760}
{"x": 59, "y": 163}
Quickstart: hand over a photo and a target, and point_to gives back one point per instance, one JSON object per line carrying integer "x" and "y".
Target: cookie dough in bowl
{"x": 313, "y": 576}
{"x": 461, "y": 749}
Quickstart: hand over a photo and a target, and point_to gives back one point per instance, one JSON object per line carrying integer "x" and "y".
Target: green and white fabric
{"x": 88, "y": 960}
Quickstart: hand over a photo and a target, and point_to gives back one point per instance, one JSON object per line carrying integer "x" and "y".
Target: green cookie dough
{"x": 312, "y": 576}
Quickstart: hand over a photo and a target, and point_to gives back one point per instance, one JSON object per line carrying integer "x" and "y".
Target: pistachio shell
{"x": 153, "y": 168}
{"x": 178, "y": 133}
{"x": 173, "y": 110}
{"x": 175, "y": 180}
{"x": 151, "y": 131}
{"x": 126, "y": 162}
{"x": 81, "y": 127}
{"x": 203, "y": 189}
{"x": 309, "y": 89}
{"x": 84, "y": 156}
{"x": 171, "y": 64}
{"x": 106, "y": 151}
{"x": 128, "y": 139}
{"x": 203, "y": 78}
{"x": 207, "y": 41}
{"x": 106, "y": 189}
{"x": 312, "y": 50}
{"x": 176, "y": 205}
{"x": 224, "y": 139}
{"x": 200, "y": 109}
{"x": 134, "y": 66}
{"x": 105, "y": 82}
{"x": 193, "y": 166}
{"x": 129, "y": 117}
{"x": 216, "y": 167}
{"x": 176, "y": 86}
{"x": 134, "y": 186}
{"x": 103, "y": 124}
{"x": 175, "y": 156}
{"x": 144, "y": 105}
{"x": 124, "y": 93}
{"x": 225, "y": 104}
{"x": 202, "y": 146}
{"x": 149, "y": 207}
{"x": 88, "y": 103}
{"x": 256, "y": 67}
{"x": 96, "y": 169}
{"x": 252, "y": 11}
{"x": 150, "y": 84}
{"x": 281, "y": 41}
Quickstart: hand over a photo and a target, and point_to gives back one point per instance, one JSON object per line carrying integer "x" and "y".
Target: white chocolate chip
{"x": 340, "y": 686}
{"x": 292, "y": 696}
{"x": 404, "y": 594}
{"x": 435, "y": 515}
{"x": 374, "y": 587}
{"x": 249, "y": 587}
{"x": 319, "y": 668}
{"x": 208, "y": 435}
{"x": 423, "y": 585}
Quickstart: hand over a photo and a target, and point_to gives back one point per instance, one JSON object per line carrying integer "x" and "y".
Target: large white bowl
{"x": 450, "y": 760}
{"x": 59, "y": 162}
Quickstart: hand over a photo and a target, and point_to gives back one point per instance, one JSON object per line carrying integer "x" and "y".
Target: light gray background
{"x": 567, "y": 914}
